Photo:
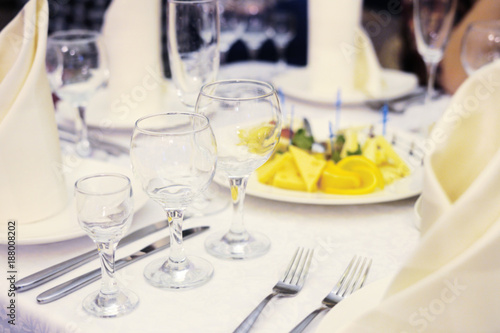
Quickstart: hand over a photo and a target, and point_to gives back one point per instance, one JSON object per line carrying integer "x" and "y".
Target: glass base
{"x": 221, "y": 246}
{"x": 213, "y": 201}
{"x": 193, "y": 273}
{"x": 106, "y": 306}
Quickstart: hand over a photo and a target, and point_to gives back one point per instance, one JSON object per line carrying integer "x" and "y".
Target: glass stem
{"x": 109, "y": 285}
{"x": 431, "y": 70}
{"x": 281, "y": 56}
{"x": 177, "y": 259}
{"x": 83, "y": 145}
{"x": 237, "y": 231}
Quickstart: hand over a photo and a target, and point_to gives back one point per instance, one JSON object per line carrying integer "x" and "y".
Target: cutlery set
{"x": 290, "y": 284}
{"x": 293, "y": 280}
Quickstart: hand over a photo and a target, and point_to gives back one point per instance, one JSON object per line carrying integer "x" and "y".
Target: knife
{"x": 81, "y": 281}
{"x": 49, "y": 274}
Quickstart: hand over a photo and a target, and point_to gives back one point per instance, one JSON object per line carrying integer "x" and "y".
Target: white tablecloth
{"x": 385, "y": 232}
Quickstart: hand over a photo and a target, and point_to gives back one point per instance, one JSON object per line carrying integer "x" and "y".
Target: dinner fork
{"x": 289, "y": 285}
{"x": 351, "y": 280}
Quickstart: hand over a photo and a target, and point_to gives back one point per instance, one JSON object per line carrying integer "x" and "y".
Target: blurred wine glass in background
{"x": 480, "y": 45}
{"x": 232, "y": 27}
{"x": 283, "y": 31}
{"x": 257, "y": 31}
{"x": 433, "y": 22}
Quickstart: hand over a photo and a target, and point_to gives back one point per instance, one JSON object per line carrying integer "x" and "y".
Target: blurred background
{"x": 266, "y": 30}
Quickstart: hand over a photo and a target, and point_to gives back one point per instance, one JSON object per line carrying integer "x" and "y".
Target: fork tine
{"x": 345, "y": 288}
{"x": 291, "y": 265}
{"x": 340, "y": 282}
{"x": 363, "y": 278}
{"x": 305, "y": 267}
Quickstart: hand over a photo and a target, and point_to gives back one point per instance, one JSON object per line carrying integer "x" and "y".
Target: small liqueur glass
{"x": 104, "y": 207}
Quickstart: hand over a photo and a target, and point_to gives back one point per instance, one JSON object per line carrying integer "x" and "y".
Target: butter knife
{"x": 52, "y": 272}
{"x": 81, "y": 281}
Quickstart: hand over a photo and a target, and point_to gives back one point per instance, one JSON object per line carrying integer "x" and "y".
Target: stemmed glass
{"x": 193, "y": 34}
{"x": 246, "y": 118}
{"x": 231, "y": 29}
{"x": 104, "y": 207}
{"x": 174, "y": 156}
{"x": 480, "y": 45}
{"x": 256, "y": 33}
{"x": 433, "y": 22}
{"x": 283, "y": 27}
{"x": 77, "y": 67}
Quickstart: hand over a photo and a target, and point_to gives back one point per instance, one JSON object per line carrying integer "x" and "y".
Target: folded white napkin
{"x": 340, "y": 53}
{"x": 32, "y": 186}
{"x": 450, "y": 284}
{"x": 132, "y": 36}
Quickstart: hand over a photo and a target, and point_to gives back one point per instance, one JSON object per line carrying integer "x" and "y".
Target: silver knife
{"x": 81, "y": 281}
{"x": 52, "y": 272}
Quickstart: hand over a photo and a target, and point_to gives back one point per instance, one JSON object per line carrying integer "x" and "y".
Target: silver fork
{"x": 351, "y": 280}
{"x": 289, "y": 285}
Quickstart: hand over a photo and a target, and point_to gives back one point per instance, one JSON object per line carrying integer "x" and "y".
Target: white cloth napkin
{"x": 450, "y": 284}
{"x": 32, "y": 186}
{"x": 132, "y": 36}
{"x": 340, "y": 53}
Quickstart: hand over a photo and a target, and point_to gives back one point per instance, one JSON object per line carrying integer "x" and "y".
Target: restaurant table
{"x": 386, "y": 232}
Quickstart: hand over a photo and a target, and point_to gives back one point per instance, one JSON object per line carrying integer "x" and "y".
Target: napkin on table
{"x": 132, "y": 36}
{"x": 450, "y": 283}
{"x": 340, "y": 54}
{"x": 32, "y": 185}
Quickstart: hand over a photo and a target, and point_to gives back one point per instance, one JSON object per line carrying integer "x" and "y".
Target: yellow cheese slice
{"x": 310, "y": 168}
{"x": 266, "y": 172}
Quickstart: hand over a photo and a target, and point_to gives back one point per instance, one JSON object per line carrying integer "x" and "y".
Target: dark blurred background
{"x": 387, "y": 22}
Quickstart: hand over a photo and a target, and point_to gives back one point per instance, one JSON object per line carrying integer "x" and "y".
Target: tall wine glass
{"x": 231, "y": 29}
{"x": 480, "y": 45}
{"x": 77, "y": 67}
{"x": 433, "y": 22}
{"x": 174, "y": 156}
{"x": 256, "y": 32}
{"x": 283, "y": 26}
{"x": 104, "y": 208}
{"x": 193, "y": 34}
{"x": 246, "y": 118}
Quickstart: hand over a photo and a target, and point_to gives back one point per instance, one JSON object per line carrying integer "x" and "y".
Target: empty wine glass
{"x": 104, "y": 208}
{"x": 174, "y": 156}
{"x": 232, "y": 27}
{"x": 256, "y": 33}
{"x": 433, "y": 22}
{"x": 193, "y": 35}
{"x": 283, "y": 26}
{"x": 77, "y": 67}
{"x": 480, "y": 45}
{"x": 246, "y": 118}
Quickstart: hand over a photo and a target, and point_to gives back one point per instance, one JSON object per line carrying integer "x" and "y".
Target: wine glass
{"x": 433, "y": 22}
{"x": 256, "y": 33}
{"x": 232, "y": 27}
{"x": 246, "y": 118}
{"x": 283, "y": 26}
{"x": 193, "y": 34}
{"x": 104, "y": 208}
{"x": 77, "y": 67}
{"x": 480, "y": 45}
{"x": 174, "y": 156}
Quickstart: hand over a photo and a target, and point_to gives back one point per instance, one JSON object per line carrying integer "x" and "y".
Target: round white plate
{"x": 295, "y": 83}
{"x": 64, "y": 225}
{"x": 353, "y": 306}
{"x": 401, "y": 189}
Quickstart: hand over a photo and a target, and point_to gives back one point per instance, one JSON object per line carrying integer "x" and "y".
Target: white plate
{"x": 64, "y": 225}
{"x": 353, "y": 306}
{"x": 295, "y": 83}
{"x": 401, "y": 189}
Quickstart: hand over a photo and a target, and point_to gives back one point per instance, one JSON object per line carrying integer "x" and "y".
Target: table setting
{"x": 131, "y": 202}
